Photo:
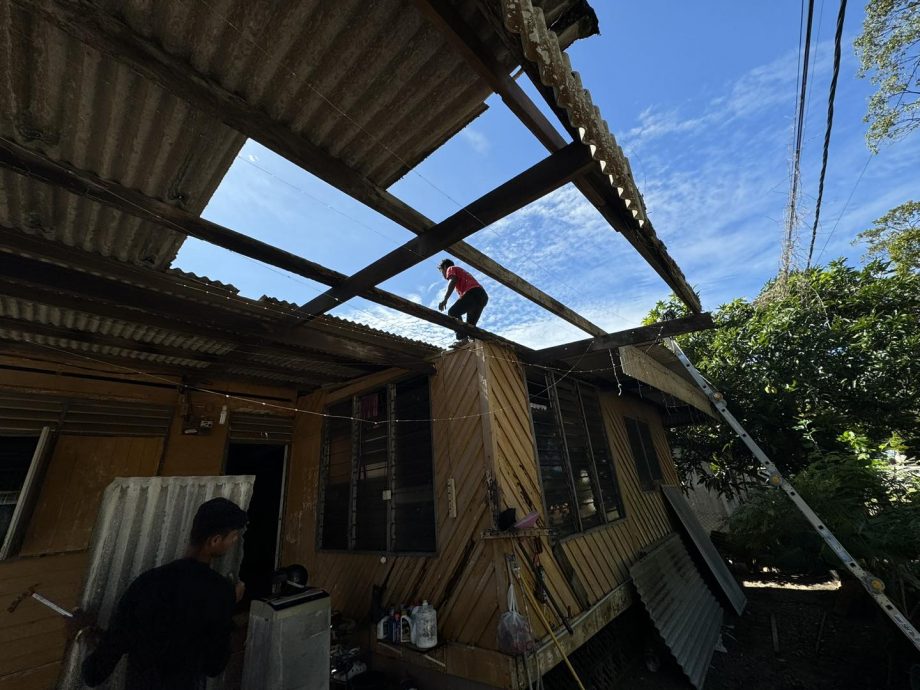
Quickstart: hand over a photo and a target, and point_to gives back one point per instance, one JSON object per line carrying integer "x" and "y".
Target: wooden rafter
{"x": 535, "y": 182}
{"x": 46, "y": 171}
{"x": 632, "y": 336}
{"x": 592, "y": 184}
{"x": 112, "y": 36}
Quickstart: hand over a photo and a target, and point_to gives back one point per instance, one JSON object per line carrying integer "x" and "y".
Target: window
{"x": 377, "y": 475}
{"x": 576, "y": 467}
{"x": 21, "y": 466}
{"x": 643, "y": 450}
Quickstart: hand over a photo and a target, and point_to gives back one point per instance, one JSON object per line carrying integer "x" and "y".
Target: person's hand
{"x": 82, "y": 624}
{"x": 240, "y": 590}
{"x": 442, "y": 305}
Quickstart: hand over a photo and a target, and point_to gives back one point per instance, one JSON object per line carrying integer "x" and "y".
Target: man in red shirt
{"x": 472, "y": 298}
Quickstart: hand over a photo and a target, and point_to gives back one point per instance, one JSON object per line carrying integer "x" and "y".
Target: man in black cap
{"x": 174, "y": 622}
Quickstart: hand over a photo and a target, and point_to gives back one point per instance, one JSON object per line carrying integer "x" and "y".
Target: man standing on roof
{"x": 174, "y": 622}
{"x": 472, "y": 297}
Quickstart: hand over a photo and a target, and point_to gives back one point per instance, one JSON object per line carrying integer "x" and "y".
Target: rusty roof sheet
{"x": 79, "y": 106}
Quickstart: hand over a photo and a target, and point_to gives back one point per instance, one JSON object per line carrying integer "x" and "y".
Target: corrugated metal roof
{"x": 372, "y": 83}
{"x": 682, "y": 608}
{"x": 58, "y": 330}
{"x": 87, "y": 322}
{"x": 729, "y": 586}
{"x": 79, "y": 106}
{"x": 144, "y": 522}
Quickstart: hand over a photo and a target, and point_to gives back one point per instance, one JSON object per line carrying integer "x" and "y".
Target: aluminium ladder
{"x": 873, "y": 585}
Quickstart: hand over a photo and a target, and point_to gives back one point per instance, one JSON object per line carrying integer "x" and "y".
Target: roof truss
{"x": 567, "y": 161}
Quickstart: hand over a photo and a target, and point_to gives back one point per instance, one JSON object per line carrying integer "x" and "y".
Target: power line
{"x": 797, "y": 152}
{"x": 830, "y": 123}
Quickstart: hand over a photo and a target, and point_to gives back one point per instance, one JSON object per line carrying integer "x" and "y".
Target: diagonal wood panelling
{"x": 600, "y": 558}
{"x": 458, "y": 581}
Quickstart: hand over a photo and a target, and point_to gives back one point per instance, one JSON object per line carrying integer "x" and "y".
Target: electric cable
{"x": 838, "y": 38}
{"x": 797, "y": 151}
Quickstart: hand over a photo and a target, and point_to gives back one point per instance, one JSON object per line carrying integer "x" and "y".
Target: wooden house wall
{"x": 586, "y": 566}
{"x": 459, "y": 579}
{"x": 54, "y": 550}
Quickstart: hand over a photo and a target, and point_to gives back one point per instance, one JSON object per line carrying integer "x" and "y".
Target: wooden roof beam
{"x": 632, "y": 336}
{"x": 112, "y": 36}
{"x": 32, "y": 163}
{"x": 549, "y": 174}
{"x": 592, "y": 184}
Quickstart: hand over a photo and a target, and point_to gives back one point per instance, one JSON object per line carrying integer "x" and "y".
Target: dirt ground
{"x": 856, "y": 648}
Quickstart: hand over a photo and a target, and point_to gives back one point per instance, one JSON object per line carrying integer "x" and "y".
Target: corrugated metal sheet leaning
{"x": 144, "y": 522}
{"x": 680, "y": 605}
{"x": 730, "y": 588}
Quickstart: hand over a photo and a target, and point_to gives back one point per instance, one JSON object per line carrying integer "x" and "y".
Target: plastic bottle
{"x": 425, "y": 626}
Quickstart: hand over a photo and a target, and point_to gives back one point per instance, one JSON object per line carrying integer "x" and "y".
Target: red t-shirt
{"x": 465, "y": 281}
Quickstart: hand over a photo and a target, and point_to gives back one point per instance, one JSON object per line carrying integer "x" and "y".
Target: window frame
{"x": 551, "y": 384}
{"x": 388, "y": 392}
{"x": 656, "y": 477}
{"x": 28, "y": 495}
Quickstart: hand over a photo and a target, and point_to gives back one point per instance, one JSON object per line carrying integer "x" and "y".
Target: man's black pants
{"x": 472, "y": 303}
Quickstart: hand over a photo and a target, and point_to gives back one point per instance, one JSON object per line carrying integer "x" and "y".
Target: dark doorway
{"x": 260, "y": 543}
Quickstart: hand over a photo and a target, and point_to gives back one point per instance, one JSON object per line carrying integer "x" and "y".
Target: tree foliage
{"x": 889, "y": 49}
{"x": 896, "y": 236}
{"x": 834, "y": 353}
{"x": 870, "y": 506}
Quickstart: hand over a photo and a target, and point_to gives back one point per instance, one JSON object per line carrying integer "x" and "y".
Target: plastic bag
{"x": 514, "y": 633}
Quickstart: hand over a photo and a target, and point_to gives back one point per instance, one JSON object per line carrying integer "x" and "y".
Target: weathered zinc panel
{"x": 682, "y": 608}
{"x": 730, "y": 587}
{"x": 374, "y": 84}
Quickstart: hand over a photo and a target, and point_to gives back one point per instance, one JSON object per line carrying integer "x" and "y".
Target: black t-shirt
{"x": 174, "y": 623}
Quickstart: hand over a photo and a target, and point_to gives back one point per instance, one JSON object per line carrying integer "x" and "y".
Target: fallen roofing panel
{"x": 144, "y": 522}
{"x": 697, "y": 534}
{"x": 680, "y": 605}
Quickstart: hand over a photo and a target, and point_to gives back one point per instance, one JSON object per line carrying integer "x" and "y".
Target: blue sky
{"x": 701, "y": 96}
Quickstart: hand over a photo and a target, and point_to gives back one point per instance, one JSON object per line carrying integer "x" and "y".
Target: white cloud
{"x": 477, "y": 140}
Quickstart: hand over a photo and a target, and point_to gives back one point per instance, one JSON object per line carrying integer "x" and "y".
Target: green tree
{"x": 889, "y": 49}
{"x": 896, "y": 236}
{"x": 833, "y": 353}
